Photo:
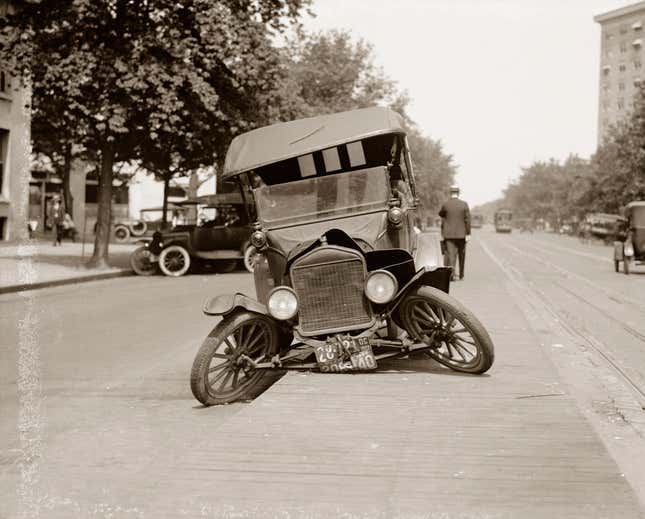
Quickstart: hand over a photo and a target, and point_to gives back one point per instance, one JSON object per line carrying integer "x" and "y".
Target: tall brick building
{"x": 622, "y": 57}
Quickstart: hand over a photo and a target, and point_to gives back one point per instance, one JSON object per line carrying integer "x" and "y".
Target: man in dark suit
{"x": 455, "y": 230}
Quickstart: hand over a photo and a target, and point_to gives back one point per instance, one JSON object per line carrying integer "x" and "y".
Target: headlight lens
{"x": 258, "y": 240}
{"x": 381, "y": 287}
{"x": 395, "y": 215}
{"x": 282, "y": 303}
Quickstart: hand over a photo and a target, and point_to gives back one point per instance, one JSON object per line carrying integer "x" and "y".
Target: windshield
{"x": 318, "y": 198}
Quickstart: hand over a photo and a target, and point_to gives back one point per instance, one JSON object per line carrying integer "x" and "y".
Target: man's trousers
{"x": 456, "y": 248}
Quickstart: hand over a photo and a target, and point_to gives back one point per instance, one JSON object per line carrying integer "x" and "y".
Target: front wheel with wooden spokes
{"x": 221, "y": 371}
{"x": 455, "y": 336}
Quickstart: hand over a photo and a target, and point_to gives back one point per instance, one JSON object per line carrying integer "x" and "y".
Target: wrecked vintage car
{"x": 343, "y": 277}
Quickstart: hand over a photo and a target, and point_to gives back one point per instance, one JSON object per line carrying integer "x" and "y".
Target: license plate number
{"x": 346, "y": 354}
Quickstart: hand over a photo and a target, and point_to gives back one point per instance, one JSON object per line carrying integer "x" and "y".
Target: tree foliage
{"x": 164, "y": 82}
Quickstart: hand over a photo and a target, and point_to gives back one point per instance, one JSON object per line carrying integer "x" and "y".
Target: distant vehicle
{"x": 503, "y": 219}
{"x": 476, "y": 220}
{"x": 220, "y": 238}
{"x": 150, "y": 220}
{"x": 601, "y": 226}
{"x": 629, "y": 246}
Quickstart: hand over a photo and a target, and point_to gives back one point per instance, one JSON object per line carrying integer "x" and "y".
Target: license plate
{"x": 346, "y": 354}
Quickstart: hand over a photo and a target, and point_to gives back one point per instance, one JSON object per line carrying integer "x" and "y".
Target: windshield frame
{"x": 375, "y": 207}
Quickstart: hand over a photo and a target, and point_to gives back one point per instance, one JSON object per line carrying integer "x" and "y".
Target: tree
{"x": 129, "y": 75}
{"x": 434, "y": 170}
{"x": 328, "y": 72}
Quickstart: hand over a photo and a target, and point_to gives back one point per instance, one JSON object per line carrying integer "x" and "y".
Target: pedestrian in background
{"x": 56, "y": 217}
{"x": 455, "y": 230}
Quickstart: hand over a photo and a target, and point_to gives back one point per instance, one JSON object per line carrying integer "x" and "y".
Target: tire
{"x": 121, "y": 234}
{"x": 138, "y": 228}
{"x": 429, "y": 316}
{"x": 617, "y": 265}
{"x": 627, "y": 264}
{"x": 140, "y": 262}
{"x": 225, "y": 266}
{"x": 174, "y": 261}
{"x": 250, "y": 259}
{"x": 210, "y": 382}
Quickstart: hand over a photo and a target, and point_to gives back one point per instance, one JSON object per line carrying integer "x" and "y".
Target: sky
{"x": 502, "y": 83}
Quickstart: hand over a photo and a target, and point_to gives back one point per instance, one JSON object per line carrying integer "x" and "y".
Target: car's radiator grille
{"x": 331, "y": 296}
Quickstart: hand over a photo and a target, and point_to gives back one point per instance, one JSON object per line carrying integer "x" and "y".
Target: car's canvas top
{"x": 282, "y": 141}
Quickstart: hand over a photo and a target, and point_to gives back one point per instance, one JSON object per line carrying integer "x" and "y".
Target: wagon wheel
{"x": 174, "y": 261}
{"x": 220, "y": 375}
{"x": 456, "y": 337}
{"x": 141, "y": 263}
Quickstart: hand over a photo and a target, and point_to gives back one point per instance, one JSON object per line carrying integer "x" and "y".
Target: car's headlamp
{"x": 282, "y": 303}
{"x": 258, "y": 239}
{"x": 381, "y": 287}
{"x": 395, "y": 215}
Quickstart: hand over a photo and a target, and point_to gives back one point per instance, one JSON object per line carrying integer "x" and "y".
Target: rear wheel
{"x": 220, "y": 375}
{"x": 121, "y": 233}
{"x": 174, "y": 261}
{"x": 456, "y": 337}
{"x": 141, "y": 263}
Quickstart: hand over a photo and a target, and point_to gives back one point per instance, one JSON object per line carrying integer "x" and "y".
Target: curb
{"x": 65, "y": 281}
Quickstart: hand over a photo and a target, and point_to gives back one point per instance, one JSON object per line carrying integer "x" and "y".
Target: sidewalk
{"x": 412, "y": 440}
{"x": 38, "y": 264}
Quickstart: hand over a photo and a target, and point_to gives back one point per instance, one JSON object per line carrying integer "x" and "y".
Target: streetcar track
{"x": 624, "y": 300}
{"x": 522, "y": 283}
{"x": 570, "y": 250}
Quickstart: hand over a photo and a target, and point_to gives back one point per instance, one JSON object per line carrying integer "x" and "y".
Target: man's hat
{"x": 454, "y": 188}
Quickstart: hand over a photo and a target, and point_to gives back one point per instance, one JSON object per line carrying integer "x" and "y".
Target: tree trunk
{"x": 68, "y": 199}
{"x": 164, "y": 210}
{"x": 102, "y": 239}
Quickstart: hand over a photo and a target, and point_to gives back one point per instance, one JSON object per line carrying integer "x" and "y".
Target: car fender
{"x": 225, "y": 304}
{"x": 438, "y": 278}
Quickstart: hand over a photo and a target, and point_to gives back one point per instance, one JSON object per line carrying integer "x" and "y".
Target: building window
{"x": 606, "y": 88}
{"x": 621, "y": 86}
{"x": 605, "y": 70}
{"x": 637, "y": 81}
{"x": 623, "y": 29}
{"x": 621, "y": 103}
{"x": 638, "y": 26}
{"x": 637, "y": 64}
{"x": 621, "y": 68}
{"x": 623, "y": 47}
